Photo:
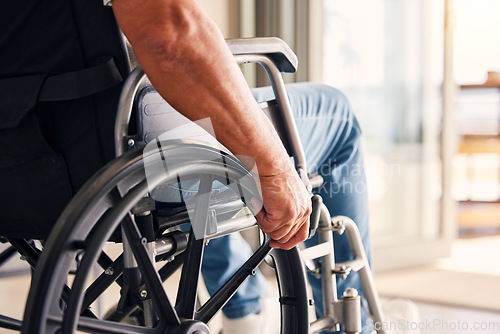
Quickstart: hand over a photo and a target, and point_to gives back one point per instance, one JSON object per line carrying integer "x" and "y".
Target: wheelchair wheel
{"x": 113, "y": 204}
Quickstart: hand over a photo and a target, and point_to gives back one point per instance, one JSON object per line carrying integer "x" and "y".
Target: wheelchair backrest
{"x": 156, "y": 117}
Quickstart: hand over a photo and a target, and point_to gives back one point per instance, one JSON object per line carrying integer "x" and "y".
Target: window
{"x": 387, "y": 56}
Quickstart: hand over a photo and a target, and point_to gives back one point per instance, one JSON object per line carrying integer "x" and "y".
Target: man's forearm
{"x": 188, "y": 62}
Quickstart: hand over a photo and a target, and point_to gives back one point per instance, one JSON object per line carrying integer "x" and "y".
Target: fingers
{"x": 291, "y": 231}
{"x": 300, "y": 236}
{"x": 280, "y": 229}
{"x": 275, "y": 231}
{"x": 286, "y": 236}
{"x": 285, "y": 213}
{"x": 286, "y": 230}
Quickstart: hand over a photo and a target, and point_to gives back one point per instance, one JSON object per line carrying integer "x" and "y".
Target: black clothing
{"x": 49, "y": 148}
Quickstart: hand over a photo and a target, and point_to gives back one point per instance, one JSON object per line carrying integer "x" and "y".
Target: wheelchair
{"x": 113, "y": 235}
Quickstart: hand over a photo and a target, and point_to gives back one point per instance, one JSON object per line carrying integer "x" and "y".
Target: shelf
{"x": 471, "y": 144}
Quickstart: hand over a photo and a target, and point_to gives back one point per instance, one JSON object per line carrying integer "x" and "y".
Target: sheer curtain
{"x": 387, "y": 56}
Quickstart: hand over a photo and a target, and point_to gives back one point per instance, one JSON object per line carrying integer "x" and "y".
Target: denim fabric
{"x": 331, "y": 138}
{"x": 330, "y": 135}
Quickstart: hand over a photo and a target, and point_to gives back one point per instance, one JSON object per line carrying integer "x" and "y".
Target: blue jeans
{"x": 331, "y": 138}
{"x": 330, "y": 135}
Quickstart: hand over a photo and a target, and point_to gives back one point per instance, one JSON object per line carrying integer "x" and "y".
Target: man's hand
{"x": 286, "y": 209}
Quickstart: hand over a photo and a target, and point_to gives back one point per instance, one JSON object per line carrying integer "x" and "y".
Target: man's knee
{"x": 320, "y": 100}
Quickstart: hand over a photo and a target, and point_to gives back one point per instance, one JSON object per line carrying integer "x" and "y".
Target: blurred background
{"x": 423, "y": 77}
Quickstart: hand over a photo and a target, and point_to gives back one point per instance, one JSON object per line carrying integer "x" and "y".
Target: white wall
{"x": 476, "y": 47}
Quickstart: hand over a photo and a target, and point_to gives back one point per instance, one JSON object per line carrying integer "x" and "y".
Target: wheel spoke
{"x": 149, "y": 273}
{"x": 90, "y": 325}
{"x": 165, "y": 272}
{"x": 220, "y": 298}
{"x": 32, "y": 254}
{"x": 108, "y": 277}
{"x": 102, "y": 326}
{"x": 188, "y": 285}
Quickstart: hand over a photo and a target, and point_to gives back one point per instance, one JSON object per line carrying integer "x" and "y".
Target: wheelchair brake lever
{"x": 317, "y": 201}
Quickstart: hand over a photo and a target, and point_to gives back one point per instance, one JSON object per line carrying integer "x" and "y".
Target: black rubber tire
{"x": 95, "y": 213}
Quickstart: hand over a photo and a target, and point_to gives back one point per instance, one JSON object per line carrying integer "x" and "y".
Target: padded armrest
{"x": 280, "y": 53}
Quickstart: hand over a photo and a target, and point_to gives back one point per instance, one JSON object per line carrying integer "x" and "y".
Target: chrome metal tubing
{"x": 165, "y": 245}
{"x": 233, "y": 225}
{"x": 365, "y": 274}
{"x": 125, "y": 104}
{"x": 278, "y": 87}
{"x": 321, "y": 324}
{"x": 352, "y": 314}
{"x": 328, "y": 282}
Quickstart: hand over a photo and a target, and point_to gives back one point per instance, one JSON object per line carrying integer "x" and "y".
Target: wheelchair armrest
{"x": 280, "y": 53}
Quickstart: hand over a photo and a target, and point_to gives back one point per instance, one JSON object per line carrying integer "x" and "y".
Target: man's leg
{"x": 330, "y": 135}
{"x": 221, "y": 257}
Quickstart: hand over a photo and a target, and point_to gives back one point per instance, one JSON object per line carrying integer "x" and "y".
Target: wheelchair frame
{"x": 275, "y": 56}
{"x": 346, "y": 310}
{"x": 278, "y": 57}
